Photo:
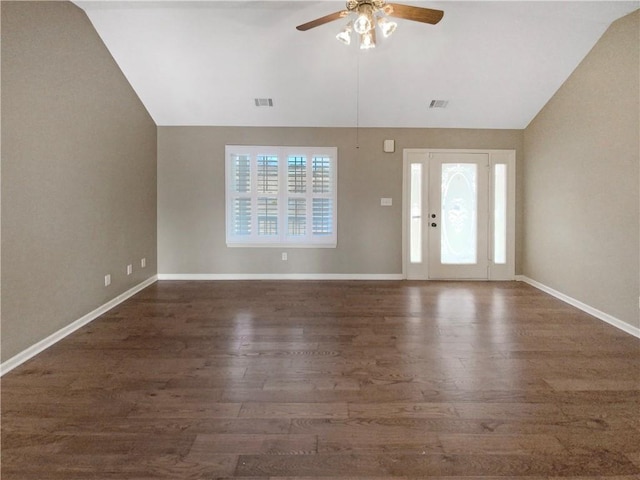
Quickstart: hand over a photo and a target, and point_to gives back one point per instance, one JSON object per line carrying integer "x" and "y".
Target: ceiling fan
{"x": 368, "y": 13}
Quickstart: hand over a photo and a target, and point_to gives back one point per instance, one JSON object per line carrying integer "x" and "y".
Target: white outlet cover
{"x": 386, "y": 202}
{"x": 143, "y": 262}
{"x": 107, "y": 280}
{"x": 129, "y": 269}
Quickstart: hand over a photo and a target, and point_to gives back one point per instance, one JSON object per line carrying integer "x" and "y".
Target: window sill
{"x": 282, "y": 245}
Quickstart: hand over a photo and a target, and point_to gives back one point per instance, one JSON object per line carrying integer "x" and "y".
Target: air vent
{"x": 264, "y": 102}
{"x": 439, "y": 104}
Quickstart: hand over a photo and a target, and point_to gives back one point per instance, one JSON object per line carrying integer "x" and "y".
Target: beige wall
{"x": 581, "y": 203}
{"x": 191, "y": 215}
{"x": 78, "y": 173}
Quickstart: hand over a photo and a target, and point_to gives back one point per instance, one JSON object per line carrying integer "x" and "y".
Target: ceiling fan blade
{"x": 322, "y": 20}
{"x": 417, "y": 14}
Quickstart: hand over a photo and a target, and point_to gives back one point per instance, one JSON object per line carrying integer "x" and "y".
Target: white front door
{"x": 459, "y": 209}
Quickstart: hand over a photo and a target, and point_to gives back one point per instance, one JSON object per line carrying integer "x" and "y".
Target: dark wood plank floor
{"x": 310, "y": 380}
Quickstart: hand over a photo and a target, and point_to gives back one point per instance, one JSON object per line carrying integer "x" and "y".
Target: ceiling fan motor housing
{"x": 355, "y": 5}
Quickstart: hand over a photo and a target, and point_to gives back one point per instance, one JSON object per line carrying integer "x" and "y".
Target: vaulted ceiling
{"x": 204, "y": 63}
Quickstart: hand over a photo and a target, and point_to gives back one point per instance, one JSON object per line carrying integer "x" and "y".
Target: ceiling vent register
{"x": 264, "y": 102}
{"x": 439, "y": 104}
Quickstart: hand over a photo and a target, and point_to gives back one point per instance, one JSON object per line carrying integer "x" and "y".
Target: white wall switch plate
{"x": 129, "y": 269}
{"x": 386, "y": 202}
{"x": 107, "y": 280}
{"x": 143, "y": 262}
{"x": 389, "y": 146}
{"x": 284, "y": 256}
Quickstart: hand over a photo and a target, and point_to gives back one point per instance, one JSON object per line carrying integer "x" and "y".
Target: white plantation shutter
{"x": 322, "y": 216}
{"x": 267, "y": 189}
{"x": 321, "y": 174}
{"x": 242, "y": 216}
{"x": 297, "y": 217}
{"x": 296, "y": 196}
{"x": 297, "y": 174}
{"x": 267, "y": 216}
{"x": 281, "y": 196}
{"x": 241, "y": 194}
{"x": 322, "y": 198}
{"x": 267, "y": 173}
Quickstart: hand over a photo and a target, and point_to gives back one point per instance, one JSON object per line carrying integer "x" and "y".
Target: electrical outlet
{"x": 386, "y": 202}
{"x": 129, "y": 269}
{"x": 107, "y": 280}
{"x": 284, "y": 256}
{"x": 143, "y": 262}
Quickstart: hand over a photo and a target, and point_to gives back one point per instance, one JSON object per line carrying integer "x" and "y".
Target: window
{"x": 281, "y": 196}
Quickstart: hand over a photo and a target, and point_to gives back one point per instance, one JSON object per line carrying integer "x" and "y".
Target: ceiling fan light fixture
{"x": 345, "y": 35}
{"x": 386, "y": 26}
{"x": 371, "y": 14}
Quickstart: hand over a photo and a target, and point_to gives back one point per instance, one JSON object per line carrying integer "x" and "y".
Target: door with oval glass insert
{"x": 457, "y": 210}
{"x": 459, "y": 214}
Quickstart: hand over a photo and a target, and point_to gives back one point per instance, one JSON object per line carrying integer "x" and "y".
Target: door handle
{"x": 434, "y": 224}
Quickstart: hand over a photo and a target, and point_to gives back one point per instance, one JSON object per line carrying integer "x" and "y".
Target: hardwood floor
{"x": 310, "y": 380}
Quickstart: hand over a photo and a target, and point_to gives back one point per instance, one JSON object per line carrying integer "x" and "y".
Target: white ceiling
{"x": 203, "y": 63}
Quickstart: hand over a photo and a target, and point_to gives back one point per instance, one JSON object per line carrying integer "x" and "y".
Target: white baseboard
{"x": 35, "y": 349}
{"x": 280, "y": 276}
{"x": 605, "y": 317}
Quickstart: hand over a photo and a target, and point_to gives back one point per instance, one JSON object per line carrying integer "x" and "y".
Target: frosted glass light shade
{"x": 367, "y": 41}
{"x": 344, "y": 36}
{"x": 362, "y": 24}
{"x": 386, "y": 26}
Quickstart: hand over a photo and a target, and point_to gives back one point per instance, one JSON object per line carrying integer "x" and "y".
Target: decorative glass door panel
{"x": 458, "y": 196}
{"x": 459, "y": 219}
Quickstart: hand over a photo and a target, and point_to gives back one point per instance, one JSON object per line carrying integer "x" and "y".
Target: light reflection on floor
{"x": 464, "y": 352}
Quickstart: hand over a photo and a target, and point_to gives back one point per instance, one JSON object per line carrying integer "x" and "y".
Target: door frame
{"x": 504, "y": 271}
